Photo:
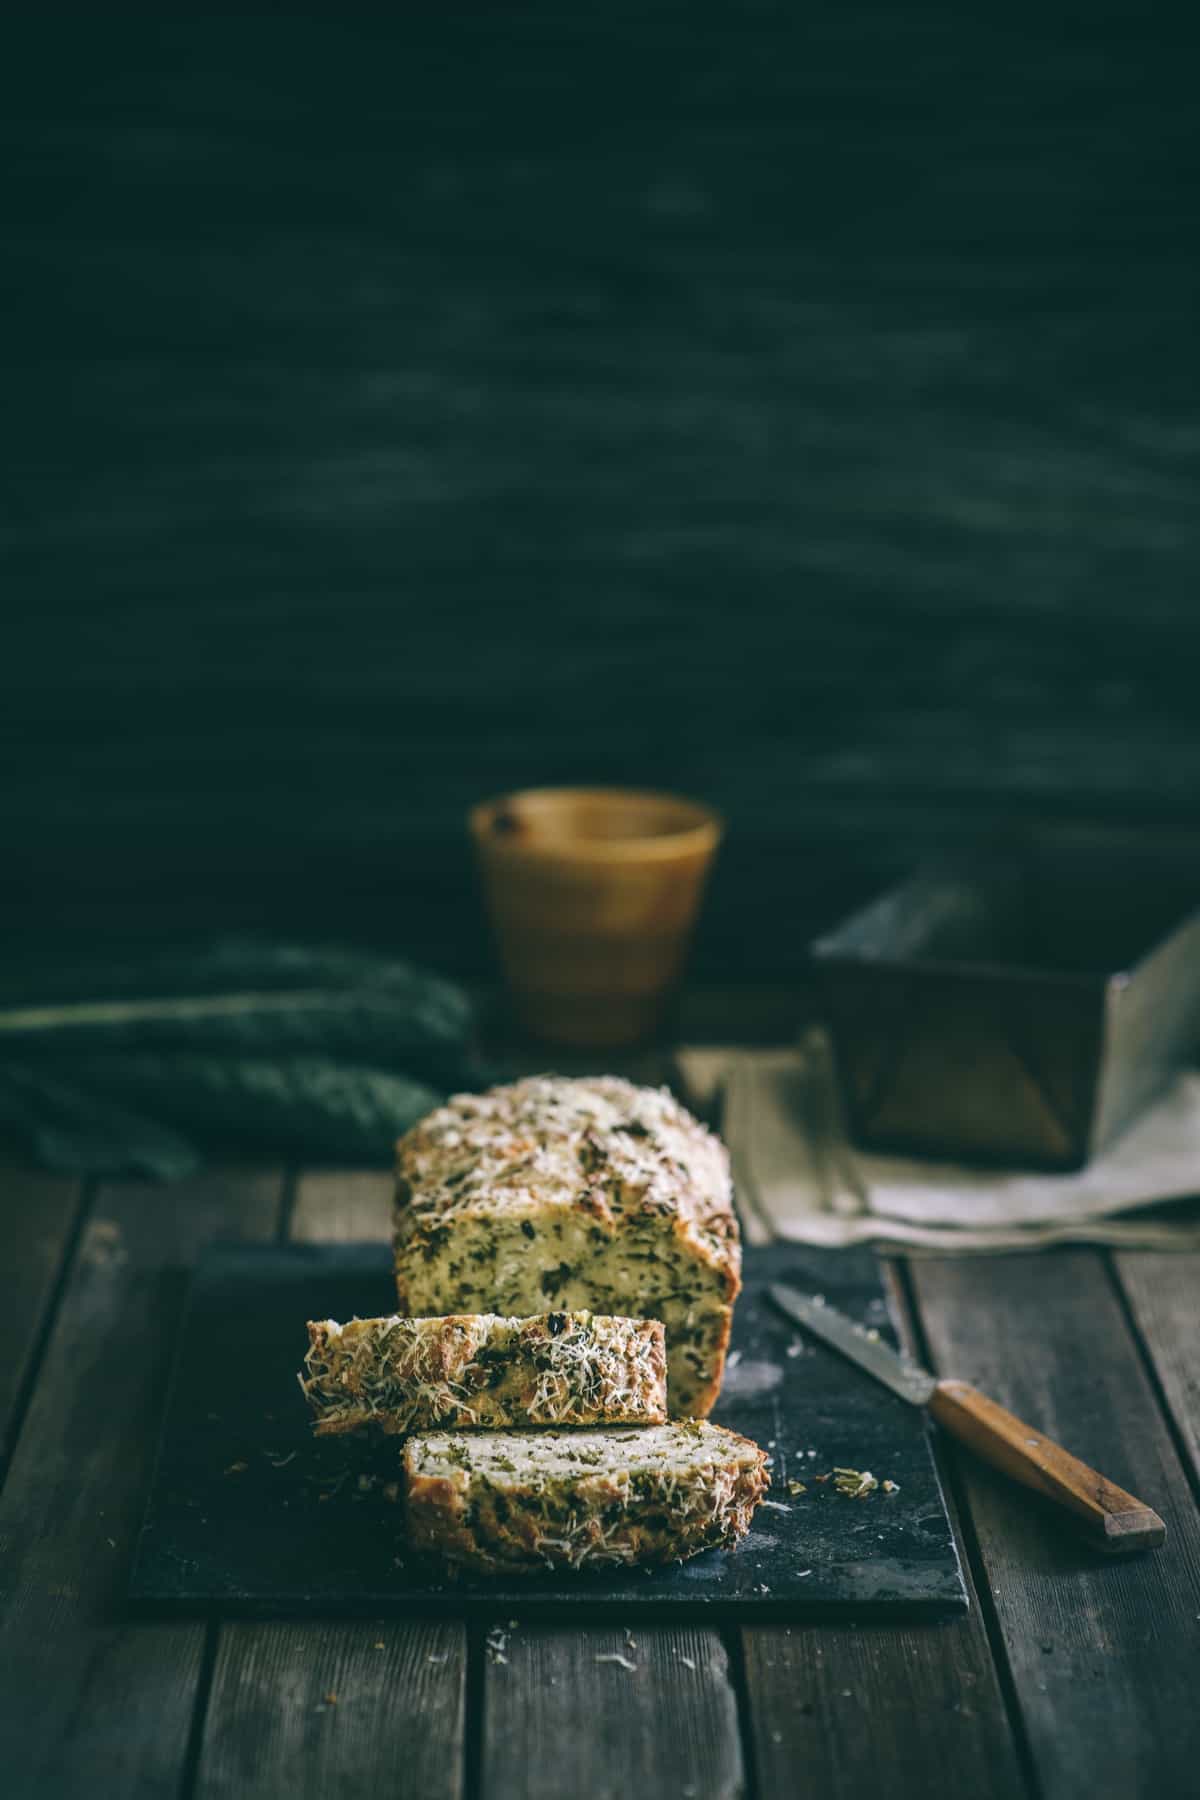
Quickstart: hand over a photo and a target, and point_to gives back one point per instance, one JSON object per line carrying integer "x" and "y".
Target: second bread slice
{"x": 478, "y": 1369}
{"x": 524, "y": 1499}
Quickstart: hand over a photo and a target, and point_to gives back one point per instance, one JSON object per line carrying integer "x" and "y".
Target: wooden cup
{"x": 593, "y": 893}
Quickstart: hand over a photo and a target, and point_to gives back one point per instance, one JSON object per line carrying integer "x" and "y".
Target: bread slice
{"x": 518, "y": 1500}
{"x": 575, "y": 1194}
{"x": 558, "y": 1368}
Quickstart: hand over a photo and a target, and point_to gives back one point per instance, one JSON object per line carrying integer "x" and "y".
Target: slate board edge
{"x": 513, "y": 1602}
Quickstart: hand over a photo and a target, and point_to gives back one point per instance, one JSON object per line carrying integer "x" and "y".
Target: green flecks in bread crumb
{"x": 596, "y": 1497}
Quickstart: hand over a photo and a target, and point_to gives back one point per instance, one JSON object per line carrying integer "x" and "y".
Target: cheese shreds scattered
{"x": 517, "y": 1500}
{"x": 401, "y": 1375}
{"x": 577, "y": 1195}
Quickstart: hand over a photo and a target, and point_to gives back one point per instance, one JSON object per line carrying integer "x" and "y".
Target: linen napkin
{"x": 798, "y": 1177}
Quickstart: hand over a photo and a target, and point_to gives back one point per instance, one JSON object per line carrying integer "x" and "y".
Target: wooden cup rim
{"x": 700, "y": 835}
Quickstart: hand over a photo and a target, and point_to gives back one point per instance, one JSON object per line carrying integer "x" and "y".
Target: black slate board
{"x": 249, "y": 1513}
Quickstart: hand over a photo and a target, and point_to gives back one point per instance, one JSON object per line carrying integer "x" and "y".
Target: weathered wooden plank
{"x": 1101, "y": 1653}
{"x": 37, "y": 1218}
{"x": 840, "y": 1701}
{"x": 563, "y": 1712}
{"x": 86, "y": 1697}
{"x": 342, "y": 1206}
{"x": 327, "y": 1708}
{"x": 878, "y": 1710}
{"x": 334, "y": 1708}
{"x": 1163, "y": 1292}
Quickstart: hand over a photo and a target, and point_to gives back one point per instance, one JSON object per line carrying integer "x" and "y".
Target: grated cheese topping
{"x": 548, "y": 1139}
{"x": 403, "y": 1375}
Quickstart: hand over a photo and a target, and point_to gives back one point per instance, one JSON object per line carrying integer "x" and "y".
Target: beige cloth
{"x": 799, "y": 1179}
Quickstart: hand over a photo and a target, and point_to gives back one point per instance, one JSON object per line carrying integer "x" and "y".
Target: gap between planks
{"x": 85, "y": 1688}
{"x": 41, "y": 1219}
{"x": 329, "y": 1707}
{"x": 903, "y": 1709}
{"x": 1100, "y": 1651}
{"x": 1161, "y": 1291}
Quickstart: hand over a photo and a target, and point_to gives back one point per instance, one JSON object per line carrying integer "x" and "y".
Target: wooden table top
{"x": 1070, "y": 1675}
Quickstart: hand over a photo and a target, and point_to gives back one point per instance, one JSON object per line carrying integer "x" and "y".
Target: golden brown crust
{"x": 597, "y": 1143}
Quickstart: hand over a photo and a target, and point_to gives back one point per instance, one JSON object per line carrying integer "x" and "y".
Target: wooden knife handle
{"x": 1113, "y": 1519}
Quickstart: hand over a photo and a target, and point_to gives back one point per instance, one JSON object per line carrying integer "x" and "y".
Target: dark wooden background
{"x": 794, "y": 406}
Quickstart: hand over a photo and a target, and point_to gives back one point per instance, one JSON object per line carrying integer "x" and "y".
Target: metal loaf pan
{"x": 1017, "y": 1012}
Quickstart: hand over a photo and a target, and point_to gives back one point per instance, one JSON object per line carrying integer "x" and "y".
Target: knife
{"x": 1112, "y": 1519}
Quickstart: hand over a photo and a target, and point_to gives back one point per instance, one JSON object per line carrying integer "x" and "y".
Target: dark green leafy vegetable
{"x": 236, "y": 999}
{"x": 299, "y": 1105}
{"x": 71, "y": 1131}
{"x": 290, "y": 1050}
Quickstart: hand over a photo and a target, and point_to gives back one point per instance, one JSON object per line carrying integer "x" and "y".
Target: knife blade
{"x": 1114, "y": 1520}
{"x": 866, "y": 1348}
